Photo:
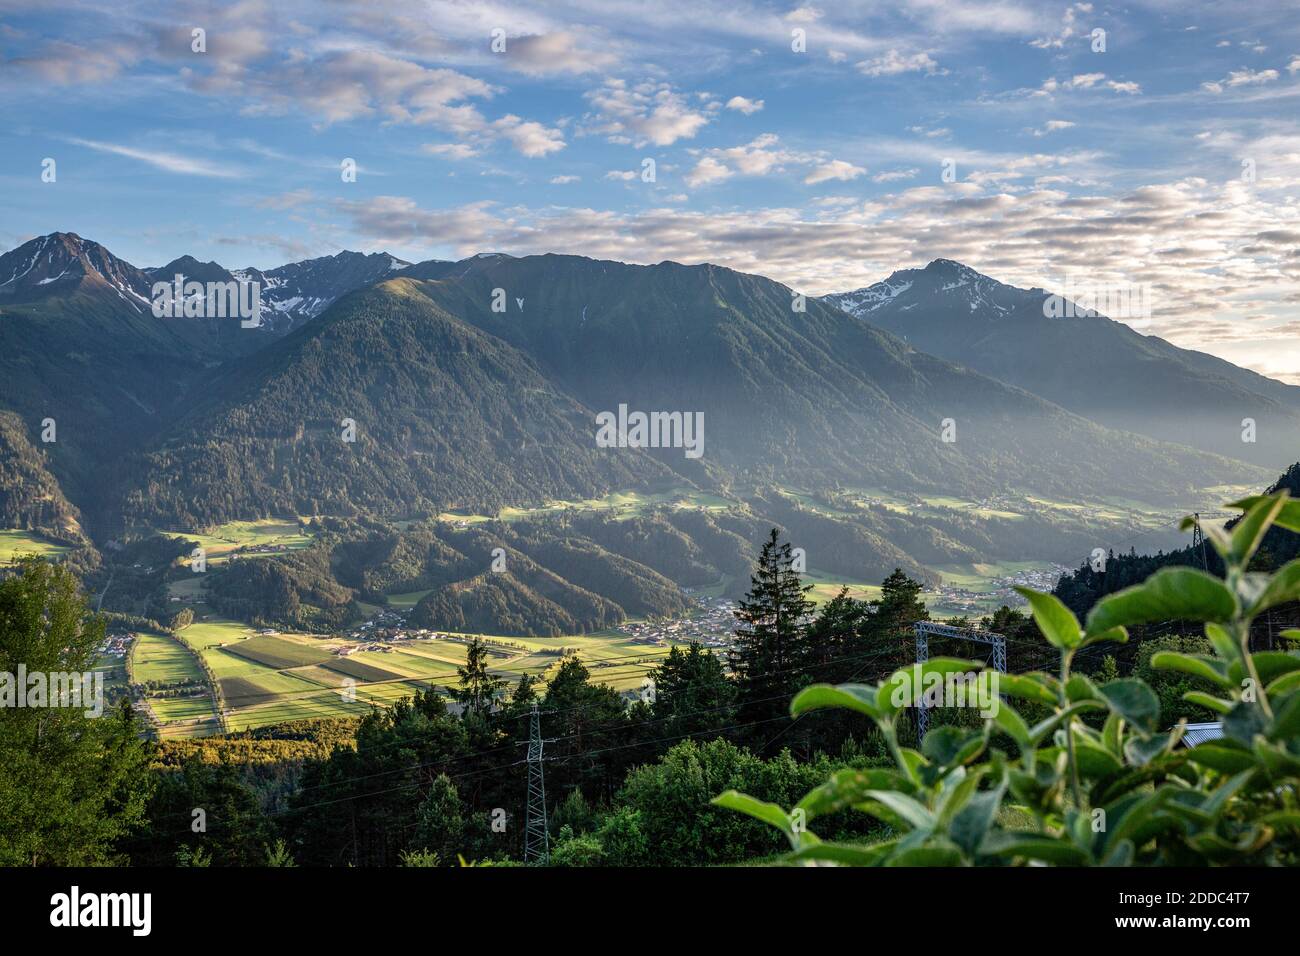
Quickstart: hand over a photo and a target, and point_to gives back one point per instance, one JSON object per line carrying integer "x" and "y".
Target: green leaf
{"x": 758, "y": 809}
{"x": 1210, "y": 668}
{"x": 1208, "y": 701}
{"x": 1225, "y": 756}
{"x": 1134, "y": 701}
{"x": 849, "y": 787}
{"x": 1169, "y": 594}
{"x": 1282, "y": 587}
{"x": 1244, "y": 722}
{"x": 904, "y": 687}
{"x": 972, "y": 822}
{"x": 1032, "y": 846}
{"x": 859, "y": 697}
{"x": 1268, "y": 664}
{"x": 1288, "y": 516}
{"x": 1286, "y": 722}
{"x": 1080, "y": 687}
{"x": 844, "y": 855}
{"x": 914, "y": 812}
{"x": 1224, "y": 644}
{"x": 1006, "y": 717}
{"x": 927, "y": 856}
{"x": 1094, "y": 762}
{"x": 1026, "y": 687}
{"x": 1039, "y": 731}
{"x": 1054, "y": 619}
{"x": 1249, "y": 531}
{"x": 1116, "y": 634}
{"x": 1283, "y": 685}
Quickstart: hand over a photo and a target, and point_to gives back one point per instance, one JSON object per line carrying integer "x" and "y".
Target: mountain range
{"x": 1090, "y": 364}
{"x": 377, "y": 388}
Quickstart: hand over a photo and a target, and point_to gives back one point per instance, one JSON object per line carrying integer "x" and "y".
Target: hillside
{"x": 1103, "y": 369}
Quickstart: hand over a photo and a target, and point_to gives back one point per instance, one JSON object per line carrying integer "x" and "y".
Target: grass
{"x": 15, "y": 542}
{"x": 619, "y": 504}
{"x": 155, "y": 657}
{"x": 278, "y": 653}
{"x": 277, "y": 534}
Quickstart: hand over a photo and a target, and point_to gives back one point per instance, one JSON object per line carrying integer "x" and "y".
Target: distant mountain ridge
{"x": 475, "y": 383}
{"x": 1094, "y": 366}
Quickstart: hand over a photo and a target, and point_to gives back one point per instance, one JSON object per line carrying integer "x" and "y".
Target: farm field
{"x": 265, "y": 535}
{"x": 15, "y": 542}
{"x": 162, "y": 659}
{"x": 622, "y": 504}
{"x": 268, "y": 679}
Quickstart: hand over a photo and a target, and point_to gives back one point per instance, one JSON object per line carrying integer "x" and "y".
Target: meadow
{"x": 15, "y": 542}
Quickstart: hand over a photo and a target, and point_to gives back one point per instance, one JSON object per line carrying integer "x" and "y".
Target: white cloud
{"x": 159, "y": 159}
{"x": 557, "y": 52}
{"x": 1052, "y": 126}
{"x": 744, "y": 105}
{"x": 1246, "y": 77}
{"x": 895, "y": 175}
{"x": 564, "y": 180}
{"x": 450, "y": 150}
{"x": 531, "y": 139}
{"x": 894, "y": 63}
{"x": 835, "y": 169}
{"x": 646, "y": 113}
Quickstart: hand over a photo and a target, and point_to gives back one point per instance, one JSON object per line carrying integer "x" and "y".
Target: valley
{"x": 341, "y": 566}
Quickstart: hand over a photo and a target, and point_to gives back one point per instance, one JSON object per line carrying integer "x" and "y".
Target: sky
{"x": 824, "y": 145}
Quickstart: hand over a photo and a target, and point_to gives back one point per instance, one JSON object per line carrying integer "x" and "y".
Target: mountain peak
{"x": 63, "y": 262}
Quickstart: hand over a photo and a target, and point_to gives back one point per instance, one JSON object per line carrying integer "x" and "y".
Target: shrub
{"x": 1124, "y": 793}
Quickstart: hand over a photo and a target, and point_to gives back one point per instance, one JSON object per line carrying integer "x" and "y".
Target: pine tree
{"x": 769, "y": 656}
{"x": 478, "y": 688}
{"x": 894, "y": 616}
{"x": 692, "y": 692}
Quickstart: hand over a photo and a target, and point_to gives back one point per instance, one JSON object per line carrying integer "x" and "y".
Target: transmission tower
{"x": 927, "y": 629}
{"x": 1198, "y": 542}
{"x": 537, "y": 842}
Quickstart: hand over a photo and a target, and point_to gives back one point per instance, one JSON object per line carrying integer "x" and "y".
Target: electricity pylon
{"x": 537, "y": 841}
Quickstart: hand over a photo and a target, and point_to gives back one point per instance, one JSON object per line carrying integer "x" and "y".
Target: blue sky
{"x": 821, "y": 168}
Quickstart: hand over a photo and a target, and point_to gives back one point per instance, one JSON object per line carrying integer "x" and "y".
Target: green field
{"x": 621, "y": 504}
{"x": 15, "y": 542}
{"x": 155, "y": 657}
{"x": 269, "y": 534}
{"x": 277, "y": 653}
{"x": 164, "y": 659}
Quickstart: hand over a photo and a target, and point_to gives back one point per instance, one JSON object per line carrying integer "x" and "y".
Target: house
{"x": 1200, "y": 733}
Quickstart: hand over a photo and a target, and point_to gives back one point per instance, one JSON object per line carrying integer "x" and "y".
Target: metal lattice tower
{"x": 537, "y": 841}
{"x": 1198, "y": 542}
{"x": 923, "y": 631}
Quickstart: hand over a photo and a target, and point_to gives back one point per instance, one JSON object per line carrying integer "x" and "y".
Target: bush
{"x": 1126, "y": 793}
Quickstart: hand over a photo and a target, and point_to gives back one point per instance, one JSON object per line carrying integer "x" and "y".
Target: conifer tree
{"x": 770, "y": 654}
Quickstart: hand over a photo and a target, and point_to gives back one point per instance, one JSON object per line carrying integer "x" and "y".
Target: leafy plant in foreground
{"x": 1068, "y": 794}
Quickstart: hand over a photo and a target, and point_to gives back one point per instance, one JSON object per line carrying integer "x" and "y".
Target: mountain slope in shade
{"x": 1096, "y": 367}
{"x": 297, "y": 292}
{"x": 445, "y": 417}
{"x": 789, "y": 395}
{"x": 30, "y": 497}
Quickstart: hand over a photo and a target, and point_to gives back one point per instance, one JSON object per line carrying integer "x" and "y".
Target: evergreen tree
{"x": 892, "y": 622}
{"x": 440, "y": 822}
{"x": 478, "y": 688}
{"x": 769, "y": 656}
{"x": 72, "y": 785}
{"x": 692, "y": 693}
